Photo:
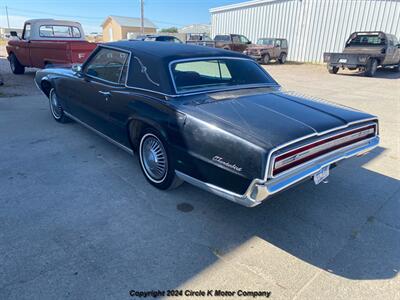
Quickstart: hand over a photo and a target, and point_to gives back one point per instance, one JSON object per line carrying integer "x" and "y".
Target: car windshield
{"x": 214, "y": 74}
{"x": 265, "y": 42}
{"x": 223, "y": 38}
{"x": 366, "y": 39}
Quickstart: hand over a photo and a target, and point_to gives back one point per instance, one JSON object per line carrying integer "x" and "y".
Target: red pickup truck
{"x": 47, "y": 42}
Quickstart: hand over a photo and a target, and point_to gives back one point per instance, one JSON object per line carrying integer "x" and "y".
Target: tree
{"x": 170, "y": 30}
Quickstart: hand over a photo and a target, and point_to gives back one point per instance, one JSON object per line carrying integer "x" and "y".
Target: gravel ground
{"x": 79, "y": 221}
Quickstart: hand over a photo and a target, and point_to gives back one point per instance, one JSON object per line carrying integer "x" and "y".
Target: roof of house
{"x": 130, "y": 22}
{"x": 195, "y": 28}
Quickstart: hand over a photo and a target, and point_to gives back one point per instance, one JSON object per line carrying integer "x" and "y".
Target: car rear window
{"x": 211, "y": 74}
{"x": 59, "y": 31}
{"x": 366, "y": 39}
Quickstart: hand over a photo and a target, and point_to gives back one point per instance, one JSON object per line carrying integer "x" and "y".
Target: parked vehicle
{"x": 200, "y": 39}
{"x": 162, "y": 38}
{"x": 366, "y": 51}
{"x": 46, "y": 43}
{"x": 234, "y": 42}
{"x": 267, "y": 49}
{"x": 213, "y": 118}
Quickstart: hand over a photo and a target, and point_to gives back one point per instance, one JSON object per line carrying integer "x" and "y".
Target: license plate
{"x": 343, "y": 60}
{"x": 321, "y": 175}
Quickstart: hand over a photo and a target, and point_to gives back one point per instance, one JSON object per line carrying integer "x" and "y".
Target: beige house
{"x": 118, "y": 28}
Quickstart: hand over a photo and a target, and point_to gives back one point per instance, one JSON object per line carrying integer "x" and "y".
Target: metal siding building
{"x": 312, "y": 27}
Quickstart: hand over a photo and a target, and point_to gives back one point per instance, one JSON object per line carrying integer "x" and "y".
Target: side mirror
{"x": 14, "y": 34}
{"x": 77, "y": 68}
{"x": 249, "y": 42}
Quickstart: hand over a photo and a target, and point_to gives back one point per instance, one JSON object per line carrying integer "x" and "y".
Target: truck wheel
{"x": 371, "y": 67}
{"x": 15, "y": 65}
{"x": 282, "y": 58}
{"x": 155, "y": 161}
{"x": 266, "y": 59}
{"x": 333, "y": 70}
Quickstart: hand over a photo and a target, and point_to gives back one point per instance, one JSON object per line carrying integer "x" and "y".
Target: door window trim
{"x": 30, "y": 30}
{"x": 127, "y": 61}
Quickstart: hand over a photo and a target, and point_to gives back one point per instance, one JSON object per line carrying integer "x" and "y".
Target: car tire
{"x": 15, "y": 65}
{"x": 282, "y": 58}
{"x": 266, "y": 58}
{"x": 372, "y": 66}
{"x": 55, "y": 108}
{"x": 155, "y": 162}
{"x": 333, "y": 70}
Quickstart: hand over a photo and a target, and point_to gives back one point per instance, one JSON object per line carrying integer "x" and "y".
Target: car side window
{"x": 27, "y": 32}
{"x": 244, "y": 40}
{"x": 109, "y": 65}
{"x": 284, "y": 43}
{"x": 236, "y": 39}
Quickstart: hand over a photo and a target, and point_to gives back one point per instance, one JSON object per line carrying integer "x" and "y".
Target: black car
{"x": 211, "y": 117}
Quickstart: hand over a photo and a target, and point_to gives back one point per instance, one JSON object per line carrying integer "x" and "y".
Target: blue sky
{"x": 165, "y": 13}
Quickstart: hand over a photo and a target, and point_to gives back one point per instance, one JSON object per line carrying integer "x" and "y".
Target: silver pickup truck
{"x": 366, "y": 51}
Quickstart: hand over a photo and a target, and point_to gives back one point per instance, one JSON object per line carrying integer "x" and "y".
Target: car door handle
{"x": 105, "y": 93}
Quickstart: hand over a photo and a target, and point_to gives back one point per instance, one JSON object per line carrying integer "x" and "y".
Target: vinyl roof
{"x": 172, "y": 51}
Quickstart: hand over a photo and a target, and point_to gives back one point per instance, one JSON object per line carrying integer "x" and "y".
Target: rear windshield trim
{"x": 202, "y": 90}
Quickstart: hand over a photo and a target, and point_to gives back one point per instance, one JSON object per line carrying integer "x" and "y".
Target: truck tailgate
{"x": 79, "y": 51}
{"x": 345, "y": 58}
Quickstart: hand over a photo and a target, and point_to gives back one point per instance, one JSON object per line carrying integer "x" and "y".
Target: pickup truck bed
{"x": 366, "y": 51}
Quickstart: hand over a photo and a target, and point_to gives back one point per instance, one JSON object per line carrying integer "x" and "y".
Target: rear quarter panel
{"x": 202, "y": 149}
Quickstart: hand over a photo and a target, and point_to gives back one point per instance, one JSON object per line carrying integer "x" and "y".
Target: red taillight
{"x": 305, "y": 153}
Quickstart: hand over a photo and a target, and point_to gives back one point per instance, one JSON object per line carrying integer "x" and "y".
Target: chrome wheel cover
{"x": 153, "y": 158}
{"x": 55, "y": 107}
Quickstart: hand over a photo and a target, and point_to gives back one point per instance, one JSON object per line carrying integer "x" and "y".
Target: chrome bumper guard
{"x": 260, "y": 189}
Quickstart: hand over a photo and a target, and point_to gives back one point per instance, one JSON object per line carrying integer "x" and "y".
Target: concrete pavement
{"x": 79, "y": 221}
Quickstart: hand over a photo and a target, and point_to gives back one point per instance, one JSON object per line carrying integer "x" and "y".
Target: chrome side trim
{"x": 216, "y": 190}
{"x": 130, "y": 151}
{"x": 268, "y": 168}
{"x": 259, "y": 189}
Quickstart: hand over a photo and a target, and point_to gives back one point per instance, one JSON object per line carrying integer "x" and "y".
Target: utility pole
{"x": 8, "y": 20}
{"x": 142, "y": 17}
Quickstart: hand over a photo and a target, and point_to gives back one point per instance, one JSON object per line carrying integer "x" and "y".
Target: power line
{"x": 81, "y": 17}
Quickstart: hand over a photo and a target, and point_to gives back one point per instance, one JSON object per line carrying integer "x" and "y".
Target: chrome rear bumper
{"x": 260, "y": 189}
